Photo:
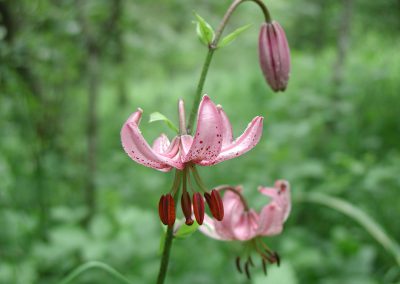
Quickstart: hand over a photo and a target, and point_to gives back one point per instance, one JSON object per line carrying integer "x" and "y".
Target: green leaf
{"x": 77, "y": 272}
{"x": 233, "y": 35}
{"x": 186, "y": 231}
{"x": 156, "y": 116}
{"x": 369, "y": 224}
{"x": 204, "y": 30}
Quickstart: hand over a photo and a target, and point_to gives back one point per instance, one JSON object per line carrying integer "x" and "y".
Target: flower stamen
{"x": 198, "y": 207}
{"x": 166, "y": 209}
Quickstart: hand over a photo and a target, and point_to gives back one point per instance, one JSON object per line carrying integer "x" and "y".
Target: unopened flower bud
{"x": 274, "y": 55}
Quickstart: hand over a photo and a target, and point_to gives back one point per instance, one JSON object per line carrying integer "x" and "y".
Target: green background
{"x": 334, "y": 131}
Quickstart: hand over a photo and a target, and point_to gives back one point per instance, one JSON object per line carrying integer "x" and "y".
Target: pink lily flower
{"x": 242, "y": 223}
{"x": 211, "y": 144}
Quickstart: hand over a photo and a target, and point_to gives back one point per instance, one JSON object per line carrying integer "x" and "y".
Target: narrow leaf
{"x": 369, "y": 224}
{"x": 156, "y": 116}
{"x": 186, "y": 231}
{"x": 233, "y": 35}
{"x": 204, "y": 30}
{"x": 77, "y": 272}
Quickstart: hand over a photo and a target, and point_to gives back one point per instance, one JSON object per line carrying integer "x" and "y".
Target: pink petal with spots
{"x": 247, "y": 141}
{"x": 227, "y": 136}
{"x": 207, "y": 140}
{"x": 139, "y": 150}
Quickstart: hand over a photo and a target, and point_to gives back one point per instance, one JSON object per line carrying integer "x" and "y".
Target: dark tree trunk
{"x": 343, "y": 42}
{"x": 120, "y": 54}
{"x": 92, "y": 74}
{"x": 36, "y": 116}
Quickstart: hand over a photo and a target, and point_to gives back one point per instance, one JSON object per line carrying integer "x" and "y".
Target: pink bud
{"x": 274, "y": 55}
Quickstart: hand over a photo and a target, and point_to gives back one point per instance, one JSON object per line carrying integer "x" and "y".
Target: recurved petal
{"x": 270, "y": 220}
{"x": 281, "y": 194}
{"x": 139, "y": 150}
{"x": 250, "y": 137}
{"x": 227, "y": 136}
{"x": 207, "y": 140}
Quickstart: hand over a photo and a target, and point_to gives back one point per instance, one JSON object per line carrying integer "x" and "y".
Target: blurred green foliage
{"x": 338, "y": 136}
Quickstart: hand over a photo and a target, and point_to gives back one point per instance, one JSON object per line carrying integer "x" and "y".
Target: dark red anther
{"x": 187, "y": 208}
{"x": 277, "y": 258}
{"x": 264, "y": 266}
{"x": 198, "y": 207}
{"x": 250, "y": 260}
{"x": 238, "y": 266}
{"x": 166, "y": 209}
{"x": 215, "y": 204}
{"x": 246, "y": 269}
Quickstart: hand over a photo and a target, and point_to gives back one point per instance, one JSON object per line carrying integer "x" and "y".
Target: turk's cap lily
{"x": 274, "y": 55}
{"x": 242, "y": 223}
{"x": 211, "y": 144}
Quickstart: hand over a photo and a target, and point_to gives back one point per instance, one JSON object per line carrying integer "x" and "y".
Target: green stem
{"x": 211, "y": 48}
{"x": 162, "y": 273}
{"x": 198, "y": 180}
{"x": 91, "y": 265}
{"x": 199, "y": 89}
{"x": 165, "y": 256}
{"x": 235, "y": 191}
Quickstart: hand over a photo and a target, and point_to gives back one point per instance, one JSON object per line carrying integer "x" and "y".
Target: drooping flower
{"x": 242, "y": 223}
{"x": 211, "y": 144}
{"x": 274, "y": 55}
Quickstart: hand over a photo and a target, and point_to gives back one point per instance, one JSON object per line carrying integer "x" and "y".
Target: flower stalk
{"x": 169, "y": 234}
{"x": 188, "y": 130}
{"x": 211, "y": 48}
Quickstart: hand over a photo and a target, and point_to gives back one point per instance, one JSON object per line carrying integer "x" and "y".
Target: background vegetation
{"x": 72, "y": 71}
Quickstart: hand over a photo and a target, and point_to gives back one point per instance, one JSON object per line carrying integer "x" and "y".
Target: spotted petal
{"x": 227, "y": 136}
{"x": 244, "y": 143}
{"x": 207, "y": 140}
{"x": 138, "y": 149}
